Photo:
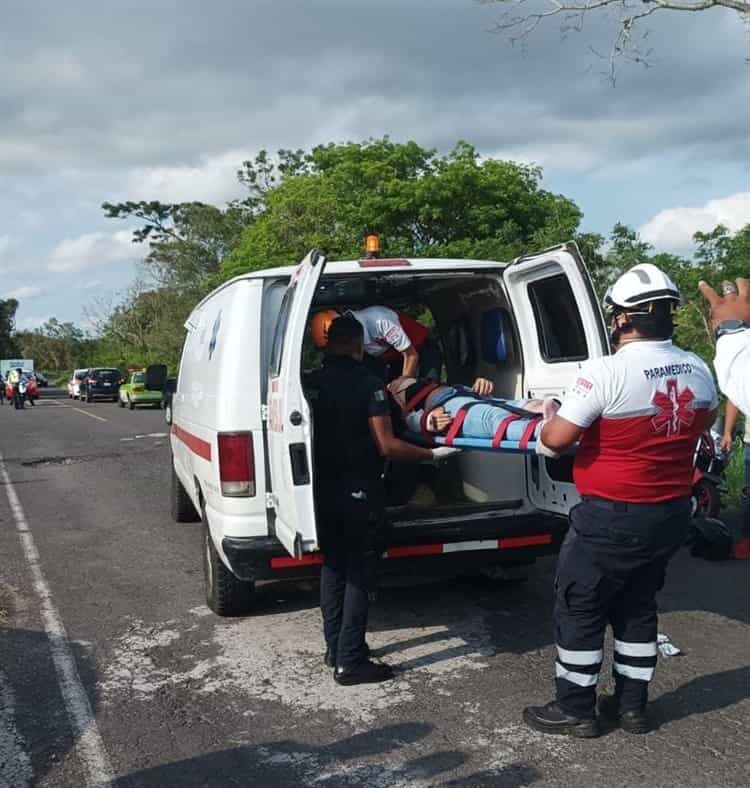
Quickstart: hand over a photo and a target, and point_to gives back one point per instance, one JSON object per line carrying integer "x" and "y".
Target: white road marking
{"x": 92, "y": 415}
{"x": 88, "y": 738}
{"x": 152, "y": 435}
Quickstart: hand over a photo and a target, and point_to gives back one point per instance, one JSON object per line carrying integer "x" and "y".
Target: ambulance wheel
{"x": 182, "y": 507}
{"x": 131, "y": 404}
{"x": 225, "y": 594}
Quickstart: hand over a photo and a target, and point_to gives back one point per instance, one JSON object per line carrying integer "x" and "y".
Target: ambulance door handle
{"x": 296, "y": 418}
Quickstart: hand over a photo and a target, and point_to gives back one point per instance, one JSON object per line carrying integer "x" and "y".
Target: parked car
{"x": 41, "y": 380}
{"x": 100, "y": 383}
{"x": 166, "y": 398}
{"x": 74, "y": 384}
{"x": 144, "y": 387}
{"x": 242, "y": 426}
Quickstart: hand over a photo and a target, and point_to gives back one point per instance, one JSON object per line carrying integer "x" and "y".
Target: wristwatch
{"x": 730, "y": 327}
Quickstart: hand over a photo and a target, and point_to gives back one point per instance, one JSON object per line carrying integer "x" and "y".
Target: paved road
{"x": 103, "y": 621}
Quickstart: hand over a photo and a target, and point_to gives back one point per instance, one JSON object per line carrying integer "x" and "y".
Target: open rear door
{"x": 560, "y": 326}
{"x": 289, "y": 423}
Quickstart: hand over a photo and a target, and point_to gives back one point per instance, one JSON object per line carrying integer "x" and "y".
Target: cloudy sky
{"x": 162, "y": 100}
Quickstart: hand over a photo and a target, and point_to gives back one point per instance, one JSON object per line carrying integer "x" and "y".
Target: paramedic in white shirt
{"x": 637, "y": 415}
{"x": 730, "y": 320}
{"x": 389, "y": 336}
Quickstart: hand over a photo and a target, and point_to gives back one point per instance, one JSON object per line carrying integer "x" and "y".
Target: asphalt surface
{"x": 179, "y": 697}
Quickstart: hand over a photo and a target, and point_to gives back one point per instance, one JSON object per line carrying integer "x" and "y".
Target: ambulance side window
{"x": 559, "y": 325}
{"x": 277, "y": 349}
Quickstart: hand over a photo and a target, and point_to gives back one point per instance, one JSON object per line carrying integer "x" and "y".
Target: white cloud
{"x": 26, "y": 291}
{"x": 30, "y": 323}
{"x": 89, "y": 284}
{"x": 5, "y": 243}
{"x": 212, "y": 180}
{"x": 672, "y": 229}
{"x": 91, "y": 250}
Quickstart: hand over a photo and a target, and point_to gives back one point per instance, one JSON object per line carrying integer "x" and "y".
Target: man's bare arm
{"x": 394, "y": 448}
{"x": 411, "y": 362}
{"x": 559, "y": 434}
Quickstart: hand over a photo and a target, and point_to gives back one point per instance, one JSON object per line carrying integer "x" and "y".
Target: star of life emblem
{"x": 675, "y": 409}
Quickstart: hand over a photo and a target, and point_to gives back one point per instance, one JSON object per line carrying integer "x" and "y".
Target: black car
{"x": 101, "y": 383}
{"x": 170, "y": 387}
{"x": 41, "y": 380}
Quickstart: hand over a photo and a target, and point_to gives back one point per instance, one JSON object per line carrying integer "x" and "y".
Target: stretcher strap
{"x": 457, "y": 423}
{"x": 419, "y": 397}
{"x": 503, "y": 428}
{"x": 528, "y": 433}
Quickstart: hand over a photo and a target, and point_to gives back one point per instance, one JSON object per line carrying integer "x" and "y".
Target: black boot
{"x": 365, "y": 672}
{"x": 552, "y": 719}
{"x": 631, "y": 721}
{"x": 330, "y": 660}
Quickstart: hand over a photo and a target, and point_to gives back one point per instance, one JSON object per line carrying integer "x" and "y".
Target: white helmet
{"x": 642, "y": 284}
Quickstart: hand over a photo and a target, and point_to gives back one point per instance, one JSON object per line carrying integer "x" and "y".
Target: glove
{"x": 443, "y": 452}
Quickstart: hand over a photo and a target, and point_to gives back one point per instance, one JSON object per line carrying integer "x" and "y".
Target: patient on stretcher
{"x": 432, "y": 409}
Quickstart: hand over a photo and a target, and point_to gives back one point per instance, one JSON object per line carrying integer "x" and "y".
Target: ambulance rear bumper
{"x": 515, "y": 540}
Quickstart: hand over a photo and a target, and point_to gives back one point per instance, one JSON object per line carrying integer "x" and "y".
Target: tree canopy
{"x": 421, "y": 203}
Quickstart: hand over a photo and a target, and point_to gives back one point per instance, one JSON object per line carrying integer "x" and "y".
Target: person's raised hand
{"x": 439, "y": 420}
{"x": 733, "y": 306}
{"x": 483, "y": 387}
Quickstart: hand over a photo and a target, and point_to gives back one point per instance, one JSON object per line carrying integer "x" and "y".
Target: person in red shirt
{"x": 636, "y": 415}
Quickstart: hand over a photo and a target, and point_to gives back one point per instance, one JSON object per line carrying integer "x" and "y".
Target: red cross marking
{"x": 675, "y": 409}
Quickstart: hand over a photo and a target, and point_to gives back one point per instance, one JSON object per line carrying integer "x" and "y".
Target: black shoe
{"x": 331, "y": 662}
{"x": 552, "y": 719}
{"x": 366, "y": 672}
{"x": 632, "y": 721}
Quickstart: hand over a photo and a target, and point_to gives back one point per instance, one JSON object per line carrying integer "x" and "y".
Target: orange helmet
{"x": 319, "y": 326}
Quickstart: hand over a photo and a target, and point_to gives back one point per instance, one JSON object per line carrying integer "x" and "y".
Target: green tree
{"x": 56, "y": 346}
{"x": 419, "y": 202}
{"x": 8, "y": 345}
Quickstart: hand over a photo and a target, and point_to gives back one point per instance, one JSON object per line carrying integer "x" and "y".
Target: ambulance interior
{"x": 473, "y": 324}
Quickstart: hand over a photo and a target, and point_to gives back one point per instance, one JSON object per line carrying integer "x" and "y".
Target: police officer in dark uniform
{"x": 636, "y": 415}
{"x": 352, "y": 437}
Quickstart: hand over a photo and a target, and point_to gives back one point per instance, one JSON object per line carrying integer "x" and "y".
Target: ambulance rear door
{"x": 560, "y": 326}
{"x": 289, "y": 427}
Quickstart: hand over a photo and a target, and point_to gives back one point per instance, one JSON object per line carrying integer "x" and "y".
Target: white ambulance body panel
{"x": 227, "y": 386}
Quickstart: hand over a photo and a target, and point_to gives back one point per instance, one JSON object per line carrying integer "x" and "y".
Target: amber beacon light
{"x": 372, "y": 246}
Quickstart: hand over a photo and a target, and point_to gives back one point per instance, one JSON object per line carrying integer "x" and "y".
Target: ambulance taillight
{"x": 236, "y": 464}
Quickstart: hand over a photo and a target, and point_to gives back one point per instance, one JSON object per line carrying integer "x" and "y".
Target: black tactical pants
{"x": 611, "y": 565}
{"x": 347, "y": 518}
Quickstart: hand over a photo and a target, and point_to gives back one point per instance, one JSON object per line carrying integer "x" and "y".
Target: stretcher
{"x": 530, "y": 422}
{"x": 477, "y": 444}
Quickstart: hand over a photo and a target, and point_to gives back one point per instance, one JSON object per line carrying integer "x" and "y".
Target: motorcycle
{"x": 709, "y": 473}
{"x": 19, "y": 392}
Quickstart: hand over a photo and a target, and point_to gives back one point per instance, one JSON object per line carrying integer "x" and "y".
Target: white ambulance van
{"x": 242, "y": 426}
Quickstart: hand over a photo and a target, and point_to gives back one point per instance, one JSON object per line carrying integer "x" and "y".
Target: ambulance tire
{"x": 225, "y": 594}
{"x": 131, "y": 404}
{"x": 182, "y": 507}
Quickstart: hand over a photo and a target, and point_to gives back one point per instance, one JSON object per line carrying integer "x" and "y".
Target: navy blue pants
{"x": 347, "y": 578}
{"x": 611, "y": 565}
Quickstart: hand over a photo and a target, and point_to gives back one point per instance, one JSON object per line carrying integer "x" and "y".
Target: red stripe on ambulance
{"x": 193, "y": 442}
{"x": 415, "y": 551}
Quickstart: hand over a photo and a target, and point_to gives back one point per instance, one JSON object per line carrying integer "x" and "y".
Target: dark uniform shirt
{"x": 344, "y": 395}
